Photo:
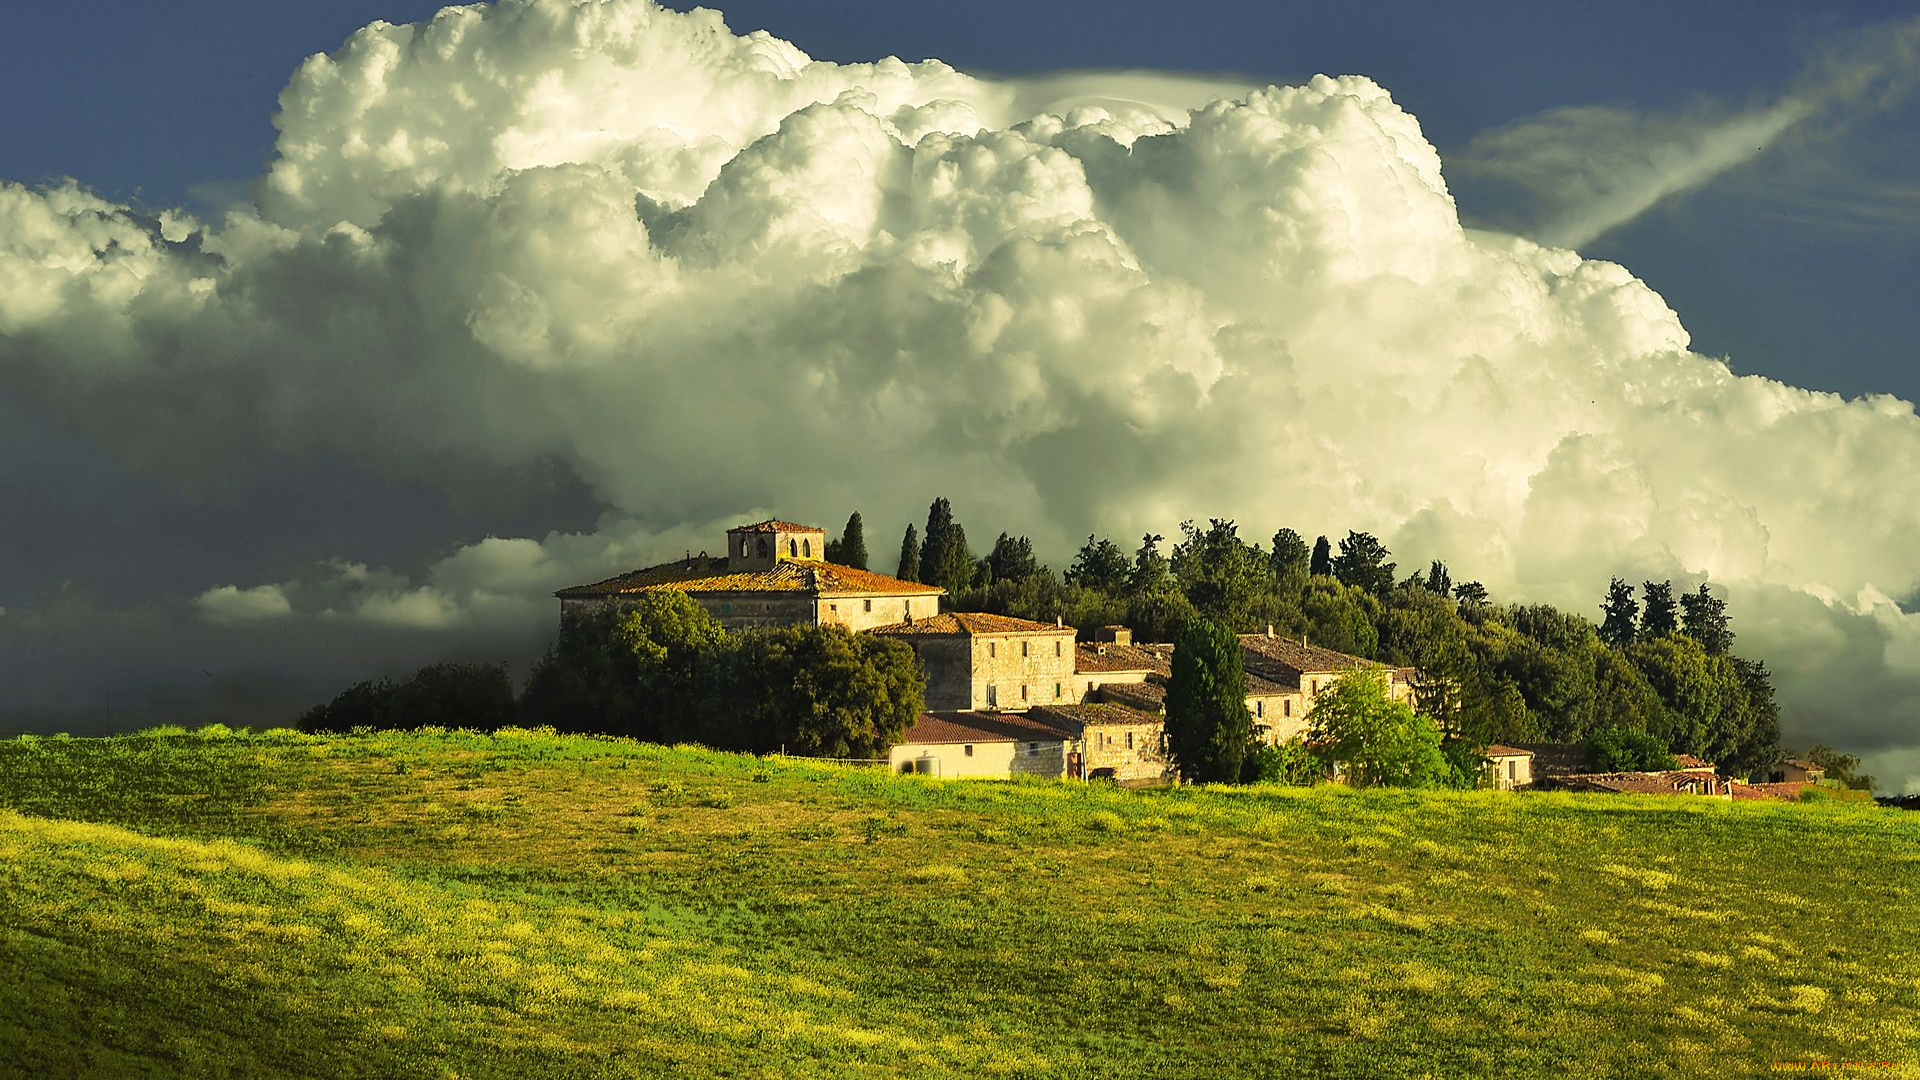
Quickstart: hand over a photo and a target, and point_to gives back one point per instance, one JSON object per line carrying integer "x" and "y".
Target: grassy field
{"x": 459, "y": 905}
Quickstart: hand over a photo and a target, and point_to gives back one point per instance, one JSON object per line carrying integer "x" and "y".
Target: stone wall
{"x": 1134, "y": 753}
{"x": 1041, "y": 664}
{"x": 947, "y": 663}
{"x": 858, "y": 613}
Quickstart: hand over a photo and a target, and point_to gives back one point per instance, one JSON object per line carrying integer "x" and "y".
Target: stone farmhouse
{"x": 1004, "y": 696}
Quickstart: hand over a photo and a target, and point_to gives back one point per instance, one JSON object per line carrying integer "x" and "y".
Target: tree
{"x": 1100, "y": 565}
{"x": 1380, "y": 742}
{"x": 1158, "y": 613}
{"x": 1341, "y": 617}
{"x": 1225, "y": 578}
{"x": 1289, "y": 763}
{"x": 1470, "y": 593}
{"x": 1657, "y": 618}
{"x": 1321, "y": 564}
{"x": 634, "y": 669}
{"x": 1207, "y": 722}
{"x": 1438, "y": 579}
{"x": 819, "y": 691}
{"x": 945, "y": 559}
{"x": 851, "y": 548}
{"x": 1290, "y": 558}
{"x": 1362, "y": 563}
{"x": 1150, "y": 570}
{"x": 1617, "y": 749}
{"x": 1840, "y": 767}
{"x": 909, "y": 569}
{"x": 1012, "y": 559}
{"x": 450, "y": 695}
{"x": 1703, "y": 617}
{"x": 1618, "y": 614}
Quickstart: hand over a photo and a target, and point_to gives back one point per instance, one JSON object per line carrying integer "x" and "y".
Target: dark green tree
{"x": 1657, "y": 613}
{"x": 1362, "y": 563}
{"x": 1842, "y": 768}
{"x": 1207, "y": 723}
{"x": 1291, "y": 559}
{"x": 909, "y": 568}
{"x": 633, "y": 670}
{"x": 819, "y": 691}
{"x": 1617, "y": 749}
{"x": 851, "y": 548}
{"x": 449, "y": 695}
{"x": 1703, "y": 617}
{"x": 1012, "y": 558}
{"x": 1619, "y": 615}
{"x": 1321, "y": 563}
{"x": 1438, "y": 579}
{"x": 1228, "y": 580}
{"x": 1150, "y": 571}
{"x": 945, "y": 559}
{"x": 1341, "y": 617}
{"x": 1470, "y": 593}
{"x": 1100, "y": 565}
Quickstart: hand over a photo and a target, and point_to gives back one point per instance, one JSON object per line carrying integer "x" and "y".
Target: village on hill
{"x": 1007, "y": 696}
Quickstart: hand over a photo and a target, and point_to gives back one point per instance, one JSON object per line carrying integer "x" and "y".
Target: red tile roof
{"x": 1688, "y": 761}
{"x": 775, "y": 525}
{"x": 1293, "y": 657}
{"x": 1503, "y": 750}
{"x": 1095, "y": 715}
{"x": 1672, "y": 782}
{"x": 802, "y": 576}
{"x": 967, "y": 623}
{"x": 1151, "y": 697}
{"x": 979, "y": 727}
{"x": 1789, "y": 791}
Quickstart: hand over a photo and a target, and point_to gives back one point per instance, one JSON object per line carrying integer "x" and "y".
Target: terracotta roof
{"x": 1299, "y": 656}
{"x": 1259, "y": 687}
{"x": 1789, "y": 791}
{"x": 1672, "y": 782}
{"x": 1148, "y": 696}
{"x": 1085, "y": 716}
{"x": 967, "y": 623}
{"x": 1688, "y": 761}
{"x": 1110, "y": 657}
{"x": 775, "y": 525}
{"x": 1802, "y": 763}
{"x": 789, "y": 576}
{"x": 1503, "y": 750}
{"x": 978, "y": 727}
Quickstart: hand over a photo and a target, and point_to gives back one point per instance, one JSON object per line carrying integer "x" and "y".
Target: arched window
{"x": 793, "y": 547}
{"x": 806, "y": 548}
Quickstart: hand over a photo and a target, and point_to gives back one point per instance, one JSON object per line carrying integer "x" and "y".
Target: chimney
{"x": 1057, "y": 619}
{"x": 1269, "y": 631}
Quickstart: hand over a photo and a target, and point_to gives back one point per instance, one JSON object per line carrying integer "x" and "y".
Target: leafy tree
{"x": 1223, "y": 576}
{"x": 1657, "y": 619}
{"x": 1470, "y": 593}
{"x": 1703, "y": 617}
{"x": 1321, "y": 564}
{"x": 945, "y": 559}
{"x": 819, "y": 691}
{"x": 438, "y": 695}
{"x": 632, "y": 669}
{"x": 1207, "y": 722}
{"x": 1341, "y": 617}
{"x": 1619, "y": 613}
{"x": 1622, "y": 696}
{"x": 1362, "y": 563}
{"x": 1289, "y": 763}
{"x": 1012, "y": 559}
{"x": 1150, "y": 569}
{"x": 1290, "y": 558}
{"x": 1438, "y": 579}
{"x": 851, "y": 548}
{"x": 1100, "y": 565}
{"x": 1378, "y": 741}
{"x": 909, "y": 569}
{"x": 1618, "y": 749}
{"x": 1157, "y": 614}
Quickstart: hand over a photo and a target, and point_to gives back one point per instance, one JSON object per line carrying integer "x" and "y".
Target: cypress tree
{"x": 1321, "y": 565}
{"x": 1438, "y": 579}
{"x": 909, "y": 557}
{"x": 1618, "y": 614}
{"x": 1289, "y": 558}
{"x": 1657, "y": 619}
{"x": 1208, "y": 726}
{"x": 944, "y": 558}
{"x": 851, "y": 550}
{"x": 1703, "y": 616}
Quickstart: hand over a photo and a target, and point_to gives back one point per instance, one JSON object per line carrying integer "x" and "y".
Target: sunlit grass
{"x": 452, "y": 903}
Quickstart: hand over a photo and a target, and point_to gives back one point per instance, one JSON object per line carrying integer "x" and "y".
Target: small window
{"x": 1286, "y": 708}
{"x": 1313, "y": 686}
{"x": 806, "y": 548}
{"x": 993, "y": 697}
{"x": 1129, "y": 740}
{"x": 968, "y": 749}
{"x": 1023, "y": 691}
{"x": 833, "y": 609}
{"x": 1056, "y": 691}
{"x": 1056, "y": 648}
{"x": 1023, "y": 648}
{"x": 869, "y": 604}
{"x": 1260, "y": 709}
{"x": 1033, "y": 748}
{"x": 993, "y": 649}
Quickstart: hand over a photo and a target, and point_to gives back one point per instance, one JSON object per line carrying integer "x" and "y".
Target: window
{"x": 869, "y": 604}
{"x": 968, "y": 749}
{"x": 993, "y": 649}
{"x": 793, "y": 546}
{"x": 1129, "y": 740}
{"x": 1260, "y": 709}
{"x": 1023, "y": 691}
{"x": 1056, "y": 691}
{"x": 1056, "y": 648}
{"x": 993, "y": 698}
{"x": 1313, "y": 686}
{"x": 1033, "y": 748}
{"x": 833, "y": 609}
{"x": 1286, "y": 708}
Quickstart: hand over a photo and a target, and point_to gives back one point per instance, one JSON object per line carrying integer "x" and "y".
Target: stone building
{"x": 974, "y": 660}
{"x": 774, "y": 574}
{"x": 1112, "y": 742}
{"x": 981, "y": 744}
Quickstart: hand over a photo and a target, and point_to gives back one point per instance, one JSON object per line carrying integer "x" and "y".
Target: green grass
{"x": 521, "y": 904}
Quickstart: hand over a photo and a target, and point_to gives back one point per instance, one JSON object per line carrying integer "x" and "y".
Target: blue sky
{"x": 1800, "y": 269}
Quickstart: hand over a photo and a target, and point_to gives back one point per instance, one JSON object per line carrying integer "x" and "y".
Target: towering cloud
{"x": 711, "y": 276}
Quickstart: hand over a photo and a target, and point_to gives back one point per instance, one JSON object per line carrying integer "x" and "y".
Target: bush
{"x": 447, "y": 695}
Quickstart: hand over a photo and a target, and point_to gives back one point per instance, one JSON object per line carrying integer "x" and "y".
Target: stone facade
{"x": 984, "y": 745}
{"x": 1112, "y": 742}
{"x": 977, "y": 661}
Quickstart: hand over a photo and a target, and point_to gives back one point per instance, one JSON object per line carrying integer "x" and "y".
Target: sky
{"x": 326, "y": 352}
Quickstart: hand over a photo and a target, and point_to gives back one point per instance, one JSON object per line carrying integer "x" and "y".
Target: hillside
{"x": 529, "y": 905}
